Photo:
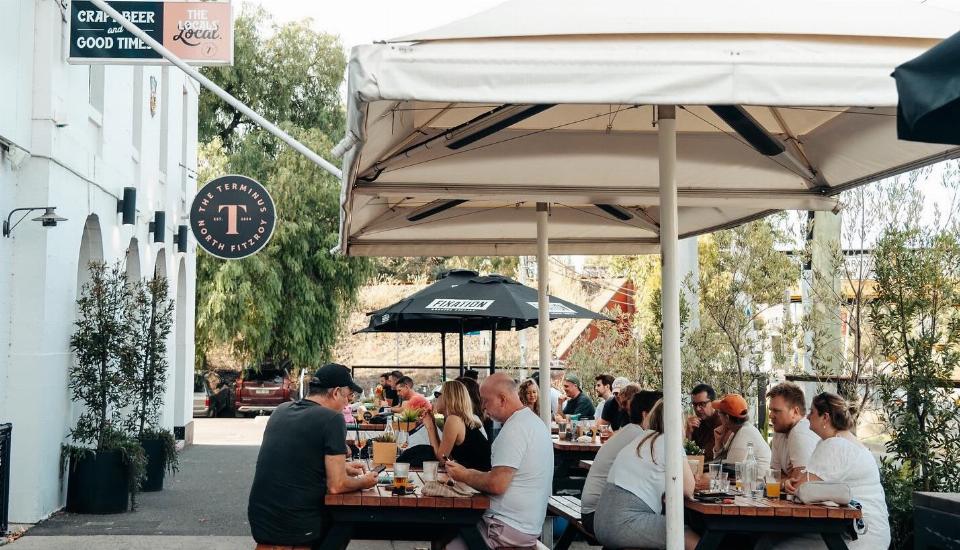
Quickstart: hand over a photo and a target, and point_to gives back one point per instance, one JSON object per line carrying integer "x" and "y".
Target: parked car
{"x": 263, "y": 388}
{"x": 201, "y": 396}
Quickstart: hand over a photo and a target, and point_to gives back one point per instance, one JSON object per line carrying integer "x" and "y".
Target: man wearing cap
{"x": 615, "y": 412}
{"x": 577, "y": 401}
{"x": 735, "y": 432}
{"x": 286, "y": 503}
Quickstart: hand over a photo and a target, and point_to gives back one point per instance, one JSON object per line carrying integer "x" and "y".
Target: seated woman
{"x": 530, "y": 395}
{"x": 629, "y": 512}
{"x": 463, "y": 437}
{"x": 735, "y": 431}
{"x": 841, "y": 458}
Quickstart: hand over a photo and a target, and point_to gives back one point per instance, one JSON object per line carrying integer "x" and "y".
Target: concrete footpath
{"x": 203, "y": 507}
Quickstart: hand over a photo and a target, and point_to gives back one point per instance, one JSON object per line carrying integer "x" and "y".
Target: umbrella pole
{"x": 443, "y": 357}
{"x": 461, "y": 348}
{"x": 543, "y": 307}
{"x": 670, "y": 277}
{"x": 493, "y": 350}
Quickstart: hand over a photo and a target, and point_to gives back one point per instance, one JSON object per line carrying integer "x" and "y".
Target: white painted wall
{"x": 82, "y": 157}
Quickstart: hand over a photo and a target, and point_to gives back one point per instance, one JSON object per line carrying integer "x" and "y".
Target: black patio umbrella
{"x": 929, "y": 88}
{"x": 464, "y": 301}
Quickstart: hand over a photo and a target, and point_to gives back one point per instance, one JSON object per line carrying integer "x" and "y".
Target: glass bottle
{"x": 750, "y": 474}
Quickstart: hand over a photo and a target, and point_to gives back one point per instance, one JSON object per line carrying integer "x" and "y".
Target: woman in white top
{"x": 629, "y": 512}
{"x": 841, "y": 458}
{"x": 735, "y": 431}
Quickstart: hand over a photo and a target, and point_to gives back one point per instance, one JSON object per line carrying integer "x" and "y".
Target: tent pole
{"x": 493, "y": 350}
{"x": 461, "y": 347}
{"x": 670, "y": 279}
{"x": 443, "y": 357}
{"x": 543, "y": 307}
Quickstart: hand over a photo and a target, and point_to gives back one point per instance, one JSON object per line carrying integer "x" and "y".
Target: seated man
{"x": 793, "y": 440}
{"x": 409, "y": 398}
{"x": 520, "y": 480}
{"x": 577, "y": 401}
{"x": 286, "y": 503}
{"x": 616, "y": 411}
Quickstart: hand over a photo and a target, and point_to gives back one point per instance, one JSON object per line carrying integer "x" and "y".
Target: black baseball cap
{"x": 334, "y": 375}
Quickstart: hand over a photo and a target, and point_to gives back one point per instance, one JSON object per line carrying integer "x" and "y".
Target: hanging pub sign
{"x": 232, "y": 217}
{"x": 200, "y": 33}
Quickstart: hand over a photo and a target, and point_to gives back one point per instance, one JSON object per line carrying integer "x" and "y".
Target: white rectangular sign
{"x": 555, "y": 308}
{"x": 449, "y": 304}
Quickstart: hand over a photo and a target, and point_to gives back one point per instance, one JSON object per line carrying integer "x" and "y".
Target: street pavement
{"x": 202, "y": 507}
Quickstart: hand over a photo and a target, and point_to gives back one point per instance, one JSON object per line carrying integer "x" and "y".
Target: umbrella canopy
{"x": 456, "y": 132}
{"x": 618, "y": 126}
{"x": 491, "y": 302}
{"x": 929, "y": 90}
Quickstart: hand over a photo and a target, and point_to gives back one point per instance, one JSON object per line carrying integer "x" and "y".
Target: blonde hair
{"x": 523, "y": 394}
{"x": 456, "y": 402}
{"x": 655, "y": 421}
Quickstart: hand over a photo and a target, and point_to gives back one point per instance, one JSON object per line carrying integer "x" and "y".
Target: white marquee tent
{"x": 456, "y": 134}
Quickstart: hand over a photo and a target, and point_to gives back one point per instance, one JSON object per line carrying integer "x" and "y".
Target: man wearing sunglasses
{"x": 302, "y": 458}
{"x": 701, "y": 424}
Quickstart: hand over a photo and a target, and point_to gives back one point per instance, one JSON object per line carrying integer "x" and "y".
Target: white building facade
{"x": 73, "y": 136}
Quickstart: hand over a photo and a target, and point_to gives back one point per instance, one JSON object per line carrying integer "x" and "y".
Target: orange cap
{"x": 732, "y": 404}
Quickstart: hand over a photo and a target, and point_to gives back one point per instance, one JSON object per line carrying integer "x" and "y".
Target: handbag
{"x": 820, "y": 492}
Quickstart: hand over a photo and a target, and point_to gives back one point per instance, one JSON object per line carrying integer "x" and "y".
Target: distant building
{"x": 73, "y": 137}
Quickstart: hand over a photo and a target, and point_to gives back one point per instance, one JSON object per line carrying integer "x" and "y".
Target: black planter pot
{"x": 97, "y": 483}
{"x": 156, "y": 468}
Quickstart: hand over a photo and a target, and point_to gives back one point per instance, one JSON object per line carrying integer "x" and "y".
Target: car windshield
{"x": 266, "y": 374}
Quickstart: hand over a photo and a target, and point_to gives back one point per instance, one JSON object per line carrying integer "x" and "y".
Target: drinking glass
{"x": 430, "y": 468}
{"x": 400, "y": 472}
{"x": 738, "y": 471}
{"x": 714, "y": 475}
{"x": 693, "y": 463}
{"x": 773, "y": 484}
{"x": 723, "y": 481}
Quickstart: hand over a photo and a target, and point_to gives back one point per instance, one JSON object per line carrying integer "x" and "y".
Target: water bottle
{"x": 751, "y": 474}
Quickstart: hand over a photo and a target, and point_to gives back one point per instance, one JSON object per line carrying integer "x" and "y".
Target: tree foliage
{"x": 291, "y": 299}
{"x": 151, "y": 319}
{"x": 916, "y": 319}
{"x": 742, "y": 275}
{"x": 290, "y": 74}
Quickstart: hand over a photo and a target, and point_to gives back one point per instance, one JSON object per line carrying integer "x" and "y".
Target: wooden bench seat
{"x": 568, "y": 508}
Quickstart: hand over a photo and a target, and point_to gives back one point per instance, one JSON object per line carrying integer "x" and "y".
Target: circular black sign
{"x": 232, "y": 217}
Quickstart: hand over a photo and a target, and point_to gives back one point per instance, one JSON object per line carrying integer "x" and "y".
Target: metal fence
{"x": 5, "y": 432}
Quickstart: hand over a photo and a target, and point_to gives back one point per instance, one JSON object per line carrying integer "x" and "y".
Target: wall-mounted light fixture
{"x": 157, "y": 225}
{"x": 48, "y": 219}
{"x": 128, "y": 205}
{"x": 182, "y": 238}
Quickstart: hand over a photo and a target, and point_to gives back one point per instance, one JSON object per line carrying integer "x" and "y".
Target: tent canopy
{"x": 459, "y": 130}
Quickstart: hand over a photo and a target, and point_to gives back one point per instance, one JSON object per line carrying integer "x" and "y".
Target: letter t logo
{"x": 232, "y": 216}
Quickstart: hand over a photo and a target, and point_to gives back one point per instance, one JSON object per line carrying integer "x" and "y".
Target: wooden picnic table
{"x": 567, "y": 477}
{"x": 376, "y": 514}
{"x": 768, "y": 516}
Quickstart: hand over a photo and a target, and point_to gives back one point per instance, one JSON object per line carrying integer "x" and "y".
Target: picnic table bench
{"x": 568, "y": 507}
{"x": 376, "y": 514}
{"x": 768, "y": 516}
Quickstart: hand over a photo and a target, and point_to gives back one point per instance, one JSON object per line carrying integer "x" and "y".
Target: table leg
{"x": 471, "y": 537}
{"x": 710, "y": 540}
{"x": 338, "y": 537}
{"x": 834, "y": 541}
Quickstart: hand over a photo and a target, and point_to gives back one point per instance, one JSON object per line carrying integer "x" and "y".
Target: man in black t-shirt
{"x": 577, "y": 401}
{"x": 616, "y": 411}
{"x": 302, "y": 458}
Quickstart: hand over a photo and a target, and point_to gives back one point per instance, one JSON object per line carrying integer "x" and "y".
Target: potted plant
{"x": 385, "y": 448}
{"x": 694, "y": 452}
{"x": 151, "y": 317}
{"x": 407, "y": 420}
{"x": 105, "y": 464}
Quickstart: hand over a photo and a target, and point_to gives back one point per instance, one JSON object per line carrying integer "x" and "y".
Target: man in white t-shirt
{"x": 520, "y": 479}
{"x": 793, "y": 441}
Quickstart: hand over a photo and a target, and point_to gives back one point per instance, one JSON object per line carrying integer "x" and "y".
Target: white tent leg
{"x": 669, "y": 250}
{"x": 543, "y": 306}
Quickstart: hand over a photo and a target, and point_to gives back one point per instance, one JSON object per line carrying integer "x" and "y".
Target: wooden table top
{"x": 573, "y": 446}
{"x": 367, "y": 427}
{"x": 382, "y": 496}
{"x": 744, "y": 506}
